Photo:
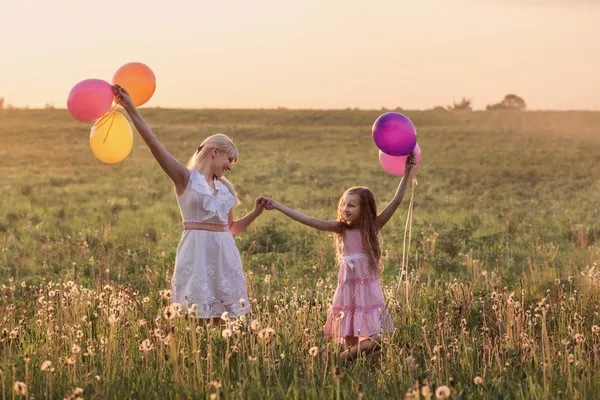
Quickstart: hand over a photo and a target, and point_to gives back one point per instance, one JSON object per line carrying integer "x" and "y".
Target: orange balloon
{"x": 138, "y": 79}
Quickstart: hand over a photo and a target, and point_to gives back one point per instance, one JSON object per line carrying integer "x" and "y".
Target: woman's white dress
{"x": 208, "y": 267}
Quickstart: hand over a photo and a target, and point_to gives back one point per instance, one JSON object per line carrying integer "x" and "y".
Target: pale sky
{"x": 310, "y": 53}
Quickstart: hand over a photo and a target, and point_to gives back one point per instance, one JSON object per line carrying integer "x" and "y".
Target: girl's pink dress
{"x": 358, "y": 296}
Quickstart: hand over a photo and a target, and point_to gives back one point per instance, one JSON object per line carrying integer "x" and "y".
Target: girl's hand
{"x": 411, "y": 161}
{"x": 122, "y": 97}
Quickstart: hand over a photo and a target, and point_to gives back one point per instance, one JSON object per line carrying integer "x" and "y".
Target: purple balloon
{"x": 394, "y": 134}
{"x": 90, "y": 99}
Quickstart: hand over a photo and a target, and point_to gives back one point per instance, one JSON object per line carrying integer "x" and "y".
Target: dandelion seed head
{"x": 47, "y": 366}
{"x": 20, "y": 388}
{"x": 226, "y": 333}
{"x": 442, "y": 392}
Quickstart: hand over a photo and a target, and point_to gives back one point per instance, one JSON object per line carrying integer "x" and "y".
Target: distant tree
{"x": 1, "y": 103}
{"x": 439, "y": 108}
{"x": 510, "y": 102}
{"x": 49, "y": 106}
{"x": 463, "y": 105}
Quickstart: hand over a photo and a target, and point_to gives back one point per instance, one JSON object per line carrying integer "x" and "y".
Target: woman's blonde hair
{"x": 221, "y": 142}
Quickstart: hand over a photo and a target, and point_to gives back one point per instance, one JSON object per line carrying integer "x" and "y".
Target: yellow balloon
{"x": 111, "y": 138}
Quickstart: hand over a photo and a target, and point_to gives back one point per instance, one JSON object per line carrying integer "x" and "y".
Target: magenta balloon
{"x": 394, "y": 134}
{"x": 90, "y": 99}
{"x": 395, "y": 164}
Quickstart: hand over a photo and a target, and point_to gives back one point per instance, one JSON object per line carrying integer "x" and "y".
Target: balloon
{"x": 90, "y": 99}
{"x": 394, "y": 134}
{"x": 395, "y": 164}
{"x": 138, "y": 80}
{"x": 111, "y": 138}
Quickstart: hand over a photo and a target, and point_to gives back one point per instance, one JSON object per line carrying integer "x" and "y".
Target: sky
{"x": 310, "y": 53}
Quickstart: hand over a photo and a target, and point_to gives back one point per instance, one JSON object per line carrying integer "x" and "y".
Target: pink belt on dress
{"x": 204, "y": 226}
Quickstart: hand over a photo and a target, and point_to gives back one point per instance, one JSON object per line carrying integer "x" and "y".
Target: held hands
{"x": 122, "y": 97}
{"x": 268, "y": 203}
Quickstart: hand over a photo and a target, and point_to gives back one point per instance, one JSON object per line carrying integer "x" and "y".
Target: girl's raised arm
{"x": 393, "y": 205}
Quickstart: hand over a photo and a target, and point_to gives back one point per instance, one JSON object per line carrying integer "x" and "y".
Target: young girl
{"x": 358, "y": 315}
{"x": 208, "y": 268}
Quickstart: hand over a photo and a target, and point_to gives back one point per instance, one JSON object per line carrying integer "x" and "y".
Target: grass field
{"x": 502, "y": 299}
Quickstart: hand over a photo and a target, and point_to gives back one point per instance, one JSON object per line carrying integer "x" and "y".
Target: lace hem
{"x": 358, "y": 321}
{"x": 215, "y": 310}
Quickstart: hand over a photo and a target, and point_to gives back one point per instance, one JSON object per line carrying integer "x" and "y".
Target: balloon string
{"x": 104, "y": 119}
{"x": 407, "y": 230}
{"x": 101, "y": 121}
{"x": 110, "y": 126}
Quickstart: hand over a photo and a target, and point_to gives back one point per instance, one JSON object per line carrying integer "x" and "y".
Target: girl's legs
{"x": 351, "y": 341}
{"x": 365, "y": 347}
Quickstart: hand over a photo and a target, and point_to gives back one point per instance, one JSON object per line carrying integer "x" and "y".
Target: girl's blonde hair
{"x": 221, "y": 142}
{"x": 371, "y": 236}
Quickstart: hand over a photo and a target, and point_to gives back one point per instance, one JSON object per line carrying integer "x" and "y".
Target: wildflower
{"x": 579, "y": 338}
{"x": 165, "y": 294}
{"x": 79, "y": 334}
{"x": 242, "y": 303}
{"x": 146, "y": 299}
{"x": 20, "y": 388}
{"x": 146, "y": 345}
{"x": 225, "y": 316}
{"x": 571, "y": 358}
{"x": 263, "y": 334}
{"x": 478, "y": 380}
{"x": 75, "y": 349}
{"x": 268, "y": 279}
{"x": 313, "y": 351}
{"x": 168, "y": 312}
{"x": 442, "y": 392}
{"x": 112, "y": 319}
{"x": 141, "y": 322}
{"x": 47, "y": 366}
{"x": 282, "y": 356}
{"x": 341, "y": 315}
{"x": 254, "y": 325}
{"x": 596, "y": 329}
{"x": 226, "y": 333}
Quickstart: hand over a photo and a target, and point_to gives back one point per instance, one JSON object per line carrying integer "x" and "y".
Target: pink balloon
{"x": 90, "y": 99}
{"x": 395, "y": 164}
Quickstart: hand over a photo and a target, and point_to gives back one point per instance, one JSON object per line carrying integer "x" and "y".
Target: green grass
{"x": 506, "y": 201}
